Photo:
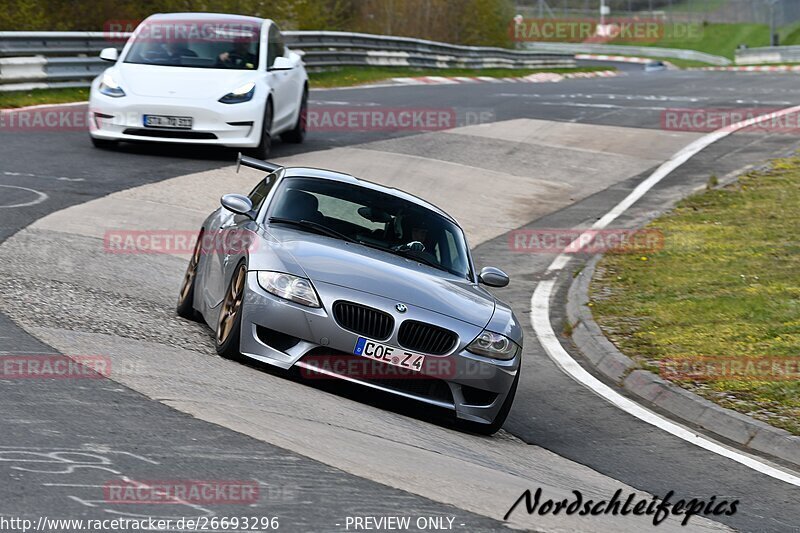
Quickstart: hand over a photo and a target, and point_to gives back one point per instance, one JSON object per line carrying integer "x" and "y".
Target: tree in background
{"x": 486, "y": 23}
{"x": 474, "y": 22}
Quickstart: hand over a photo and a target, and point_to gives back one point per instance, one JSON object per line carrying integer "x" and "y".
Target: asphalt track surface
{"x": 130, "y": 433}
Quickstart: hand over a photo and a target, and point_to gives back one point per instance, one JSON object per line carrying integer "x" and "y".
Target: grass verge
{"x": 347, "y": 76}
{"x": 680, "y": 63}
{"x": 9, "y": 99}
{"x": 721, "y": 39}
{"x": 716, "y": 39}
{"x": 725, "y": 288}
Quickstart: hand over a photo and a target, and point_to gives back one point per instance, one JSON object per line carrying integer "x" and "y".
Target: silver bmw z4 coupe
{"x": 343, "y": 278}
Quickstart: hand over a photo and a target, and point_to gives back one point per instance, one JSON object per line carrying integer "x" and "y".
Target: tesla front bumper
{"x": 286, "y": 334}
{"x": 122, "y": 119}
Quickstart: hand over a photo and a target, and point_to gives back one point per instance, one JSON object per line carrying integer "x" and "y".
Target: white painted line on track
{"x": 40, "y": 197}
{"x": 603, "y": 106}
{"x": 29, "y": 175}
{"x": 540, "y": 312}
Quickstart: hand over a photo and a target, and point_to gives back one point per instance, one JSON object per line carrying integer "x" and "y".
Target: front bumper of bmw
{"x": 286, "y": 334}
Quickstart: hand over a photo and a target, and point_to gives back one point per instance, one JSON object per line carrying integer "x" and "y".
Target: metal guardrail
{"x": 330, "y": 48}
{"x": 645, "y": 51}
{"x": 30, "y": 60}
{"x": 54, "y": 43}
{"x": 767, "y": 55}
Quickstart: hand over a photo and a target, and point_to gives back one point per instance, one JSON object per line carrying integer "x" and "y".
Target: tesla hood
{"x": 179, "y": 82}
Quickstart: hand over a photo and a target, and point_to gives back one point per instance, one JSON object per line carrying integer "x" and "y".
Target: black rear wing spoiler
{"x": 257, "y": 164}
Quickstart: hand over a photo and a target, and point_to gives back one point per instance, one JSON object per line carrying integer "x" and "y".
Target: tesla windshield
{"x": 195, "y": 44}
{"x": 372, "y": 218}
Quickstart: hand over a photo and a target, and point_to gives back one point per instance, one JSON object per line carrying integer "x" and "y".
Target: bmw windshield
{"x": 213, "y": 44}
{"x": 372, "y": 218}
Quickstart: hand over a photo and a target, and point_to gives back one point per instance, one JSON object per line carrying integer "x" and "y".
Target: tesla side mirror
{"x": 109, "y": 54}
{"x": 237, "y": 203}
{"x": 282, "y": 63}
{"x": 493, "y": 277}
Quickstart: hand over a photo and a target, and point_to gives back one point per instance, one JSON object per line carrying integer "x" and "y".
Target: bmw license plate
{"x": 389, "y": 354}
{"x": 166, "y": 121}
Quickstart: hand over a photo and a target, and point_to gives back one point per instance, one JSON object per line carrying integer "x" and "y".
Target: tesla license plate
{"x": 164, "y": 121}
{"x": 389, "y": 354}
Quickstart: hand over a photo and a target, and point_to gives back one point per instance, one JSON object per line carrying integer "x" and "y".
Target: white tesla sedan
{"x": 201, "y": 78}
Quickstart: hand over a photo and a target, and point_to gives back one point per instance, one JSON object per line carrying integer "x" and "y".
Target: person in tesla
{"x": 240, "y": 56}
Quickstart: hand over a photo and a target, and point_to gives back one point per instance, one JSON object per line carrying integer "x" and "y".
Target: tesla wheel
{"x": 104, "y": 143}
{"x": 229, "y": 324}
{"x": 499, "y": 420}
{"x": 264, "y": 147}
{"x": 185, "y": 306}
{"x": 298, "y": 133}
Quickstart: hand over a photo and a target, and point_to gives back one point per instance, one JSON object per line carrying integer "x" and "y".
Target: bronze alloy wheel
{"x": 231, "y": 305}
{"x": 191, "y": 270}
{"x": 185, "y": 307}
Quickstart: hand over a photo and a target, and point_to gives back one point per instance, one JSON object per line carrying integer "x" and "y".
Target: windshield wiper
{"x": 313, "y": 226}
{"x": 412, "y": 254}
{"x": 319, "y": 228}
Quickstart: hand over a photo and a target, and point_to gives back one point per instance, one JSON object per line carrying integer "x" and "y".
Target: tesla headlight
{"x": 494, "y": 345}
{"x": 242, "y": 94}
{"x": 288, "y": 287}
{"x": 109, "y": 87}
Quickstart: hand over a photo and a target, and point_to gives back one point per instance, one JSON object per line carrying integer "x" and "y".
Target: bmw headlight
{"x": 242, "y": 94}
{"x": 494, "y": 345}
{"x": 288, "y": 287}
{"x": 109, "y": 87}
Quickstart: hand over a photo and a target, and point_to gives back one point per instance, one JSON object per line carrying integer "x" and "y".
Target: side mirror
{"x": 109, "y": 54}
{"x": 237, "y": 203}
{"x": 281, "y": 63}
{"x": 493, "y": 277}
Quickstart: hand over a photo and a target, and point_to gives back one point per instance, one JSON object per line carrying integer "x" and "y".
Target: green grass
{"x": 717, "y": 39}
{"x": 42, "y": 96}
{"x": 790, "y": 35}
{"x": 680, "y": 63}
{"x": 686, "y": 63}
{"x": 693, "y": 7}
{"x": 347, "y": 76}
{"x": 721, "y": 39}
{"x": 725, "y": 286}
